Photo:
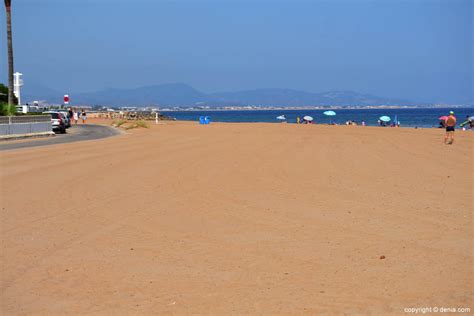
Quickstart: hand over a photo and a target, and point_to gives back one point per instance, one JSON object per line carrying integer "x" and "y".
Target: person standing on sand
{"x": 450, "y": 126}
{"x": 84, "y": 116}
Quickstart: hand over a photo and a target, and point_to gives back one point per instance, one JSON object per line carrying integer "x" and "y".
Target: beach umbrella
{"x": 307, "y": 118}
{"x": 281, "y": 117}
{"x": 329, "y": 113}
{"x": 469, "y": 119}
{"x": 443, "y": 118}
{"x": 385, "y": 118}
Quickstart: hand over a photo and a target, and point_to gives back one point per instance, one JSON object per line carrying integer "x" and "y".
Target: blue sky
{"x": 418, "y": 50}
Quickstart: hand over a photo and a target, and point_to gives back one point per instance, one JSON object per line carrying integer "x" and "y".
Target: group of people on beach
{"x": 300, "y": 120}
{"x": 448, "y": 122}
{"x": 76, "y": 114}
{"x": 391, "y": 124}
{"x": 350, "y": 122}
{"x": 467, "y": 124}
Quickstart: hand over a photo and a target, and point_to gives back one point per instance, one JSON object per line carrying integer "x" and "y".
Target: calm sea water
{"x": 407, "y": 117}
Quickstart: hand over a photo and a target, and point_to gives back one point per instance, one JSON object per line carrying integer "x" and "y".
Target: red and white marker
{"x": 66, "y": 99}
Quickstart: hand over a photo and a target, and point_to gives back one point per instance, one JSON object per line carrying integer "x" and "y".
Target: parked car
{"x": 58, "y": 121}
{"x": 66, "y": 115}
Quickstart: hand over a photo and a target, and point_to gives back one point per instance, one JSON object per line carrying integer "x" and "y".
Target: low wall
{"x": 18, "y": 125}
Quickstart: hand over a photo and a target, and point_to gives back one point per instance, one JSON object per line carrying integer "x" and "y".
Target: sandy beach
{"x": 233, "y": 218}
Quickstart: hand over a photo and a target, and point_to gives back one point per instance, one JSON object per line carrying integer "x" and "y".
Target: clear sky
{"x": 419, "y": 50}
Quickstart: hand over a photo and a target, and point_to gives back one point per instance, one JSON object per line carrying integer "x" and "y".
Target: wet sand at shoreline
{"x": 245, "y": 218}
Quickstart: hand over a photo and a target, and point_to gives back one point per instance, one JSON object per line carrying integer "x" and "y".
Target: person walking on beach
{"x": 75, "y": 116}
{"x": 70, "y": 114}
{"x": 450, "y": 126}
{"x": 84, "y": 116}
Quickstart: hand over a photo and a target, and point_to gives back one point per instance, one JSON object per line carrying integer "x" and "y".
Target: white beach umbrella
{"x": 307, "y": 118}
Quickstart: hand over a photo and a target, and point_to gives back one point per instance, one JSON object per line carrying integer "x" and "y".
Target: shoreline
{"x": 106, "y": 121}
{"x": 322, "y": 124}
{"x": 411, "y": 118}
{"x": 315, "y": 108}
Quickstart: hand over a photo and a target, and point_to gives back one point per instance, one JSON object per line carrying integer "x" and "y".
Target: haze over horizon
{"x": 418, "y": 50}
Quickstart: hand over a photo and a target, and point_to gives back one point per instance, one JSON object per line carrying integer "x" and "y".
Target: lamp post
{"x": 8, "y": 4}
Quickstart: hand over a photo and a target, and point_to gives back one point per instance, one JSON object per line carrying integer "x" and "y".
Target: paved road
{"x": 74, "y": 134}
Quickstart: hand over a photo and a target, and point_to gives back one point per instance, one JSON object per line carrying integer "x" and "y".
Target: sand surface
{"x": 239, "y": 219}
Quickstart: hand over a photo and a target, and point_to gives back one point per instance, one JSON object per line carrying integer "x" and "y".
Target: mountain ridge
{"x": 181, "y": 94}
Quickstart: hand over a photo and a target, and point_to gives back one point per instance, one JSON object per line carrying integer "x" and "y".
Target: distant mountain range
{"x": 179, "y": 94}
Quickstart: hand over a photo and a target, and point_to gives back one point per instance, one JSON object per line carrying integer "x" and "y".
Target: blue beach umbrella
{"x": 385, "y": 118}
{"x": 329, "y": 113}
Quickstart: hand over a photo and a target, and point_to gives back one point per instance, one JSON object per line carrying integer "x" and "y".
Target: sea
{"x": 413, "y": 117}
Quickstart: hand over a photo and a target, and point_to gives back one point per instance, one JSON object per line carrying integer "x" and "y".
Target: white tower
{"x": 17, "y": 83}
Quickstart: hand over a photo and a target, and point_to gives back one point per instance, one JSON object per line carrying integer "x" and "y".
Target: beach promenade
{"x": 253, "y": 219}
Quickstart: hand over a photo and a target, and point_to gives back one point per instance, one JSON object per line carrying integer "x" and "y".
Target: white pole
{"x": 17, "y": 83}
{"x": 156, "y": 118}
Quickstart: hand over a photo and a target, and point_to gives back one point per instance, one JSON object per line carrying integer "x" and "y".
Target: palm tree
{"x": 8, "y": 4}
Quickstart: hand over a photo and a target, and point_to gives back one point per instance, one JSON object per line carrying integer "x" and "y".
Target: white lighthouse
{"x": 17, "y": 83}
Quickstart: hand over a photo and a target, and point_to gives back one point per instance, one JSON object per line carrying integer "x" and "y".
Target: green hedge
{"x": 7, "y": 110}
